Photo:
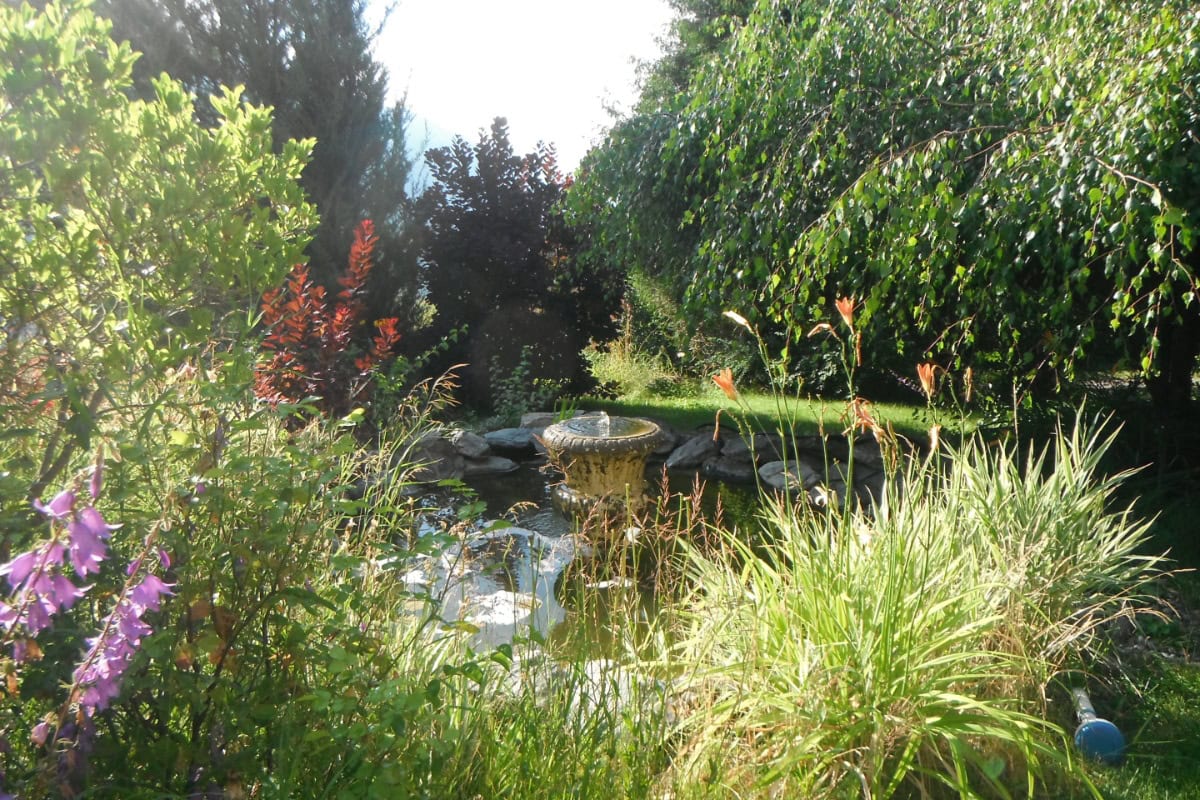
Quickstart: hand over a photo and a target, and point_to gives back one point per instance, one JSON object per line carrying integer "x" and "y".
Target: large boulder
{"x": 435, "y": 457}
{"x": 762, "y": 448}
{"x": 511, "y": 441}
{"x": 693, "y": 452}
{"x": 729, "y": 470}
{"x": 489, "y": 465}
{"x": 790, "y": 476}
{"x": 470, "y": 445}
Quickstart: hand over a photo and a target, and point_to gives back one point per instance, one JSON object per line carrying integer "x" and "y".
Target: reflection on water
{"x": 539, "y": 579}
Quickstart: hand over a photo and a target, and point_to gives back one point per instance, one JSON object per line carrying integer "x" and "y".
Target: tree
{"x": 497, "y": 262}
{"x": 132, "y": 239}
{"x": 311, "y": 61}
{"x": 1015, "y": 191}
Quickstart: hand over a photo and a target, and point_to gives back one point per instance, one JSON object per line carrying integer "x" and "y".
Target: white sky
{"x": 549, "y": 66}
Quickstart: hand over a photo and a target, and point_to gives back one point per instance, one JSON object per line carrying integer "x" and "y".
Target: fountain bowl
{"x": 603, "y": 459}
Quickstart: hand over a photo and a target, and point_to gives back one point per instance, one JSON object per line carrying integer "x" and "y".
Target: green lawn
{"x": 764, "y": 411}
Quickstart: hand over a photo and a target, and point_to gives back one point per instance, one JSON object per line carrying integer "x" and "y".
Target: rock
{"x": 870, "y": 487}
{"x": 470, "y": 445}
{"x": 730, "y": 470}
{"x": 821, "y": 449}
{"x": 780, "y": 476}
{"x": 767, "y": 447}
{"x": 537, "y": 419}
{"x": 436, "y": 459}
{"x": 511, "y": 441}
{"x": 670, "y": 440}
{"x": 693, "y": 452}
{"x": 736, "y": 448}
{"x": 489, "y": 465}
{"x": 867, "y": 452}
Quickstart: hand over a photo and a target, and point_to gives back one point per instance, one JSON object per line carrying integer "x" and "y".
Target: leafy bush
{"x": 316, "y": 347}
{"x": 134, "y": 239}
{"x": 517, "y": 390}
{"x": 623, "y": 366}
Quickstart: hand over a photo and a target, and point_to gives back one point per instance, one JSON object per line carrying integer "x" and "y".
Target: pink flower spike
{"x": 64, "y": 592}
{"x": 19, "y": 568}
{"x": 87, "y": 547}
{"x": 40, "y": 733}
{"x": 36, "y": 616}
{"x": 146, "y": 594}
{"x": 93, "y": 519}
{"x": 62, "y": 505}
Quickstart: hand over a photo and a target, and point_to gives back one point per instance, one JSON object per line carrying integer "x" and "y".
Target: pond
{"x": 537, "y": 577}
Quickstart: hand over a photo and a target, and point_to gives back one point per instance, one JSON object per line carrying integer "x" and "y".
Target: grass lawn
{"x": 764, "y": 411}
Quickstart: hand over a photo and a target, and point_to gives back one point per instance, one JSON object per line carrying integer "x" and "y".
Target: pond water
{"x": 538, "y": 578}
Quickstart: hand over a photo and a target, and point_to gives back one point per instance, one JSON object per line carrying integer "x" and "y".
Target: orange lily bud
{"x": 845, "y": 307}
{"x": 926, "y": 374}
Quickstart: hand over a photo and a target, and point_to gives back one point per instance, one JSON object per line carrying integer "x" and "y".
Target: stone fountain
{"x": 603, "y": 459}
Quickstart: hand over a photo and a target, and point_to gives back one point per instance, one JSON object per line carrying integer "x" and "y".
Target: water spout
{"x": 604, "y": 427}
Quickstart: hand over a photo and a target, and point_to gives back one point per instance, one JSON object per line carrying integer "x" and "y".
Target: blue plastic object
{"x": 1096, "y": 738}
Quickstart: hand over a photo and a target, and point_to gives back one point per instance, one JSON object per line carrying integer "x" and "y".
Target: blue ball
{"x": 1100, "y": 740}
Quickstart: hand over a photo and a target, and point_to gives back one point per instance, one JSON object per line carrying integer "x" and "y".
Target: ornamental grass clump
{"x": 908, "y": 654}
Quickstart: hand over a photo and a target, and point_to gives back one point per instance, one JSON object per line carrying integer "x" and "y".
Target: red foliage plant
{"x": 316, "y": 347}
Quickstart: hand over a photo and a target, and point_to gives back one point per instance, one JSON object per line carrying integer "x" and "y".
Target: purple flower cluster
{"x": 40, "y": 587}
{"x": 98, "y": 678}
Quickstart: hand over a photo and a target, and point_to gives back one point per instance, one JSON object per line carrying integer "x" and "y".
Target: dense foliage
{"x": 1009, "y": 185}
{"x": 323, "y": 349}
{"x": 170, "y": 613}
{"x": 311, "y": 61}
{"x": 497, "y": 261}
{"x": 200, "y": 597}
{"x": 132, "y": 238}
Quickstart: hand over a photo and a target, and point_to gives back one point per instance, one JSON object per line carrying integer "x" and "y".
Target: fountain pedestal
{"x": 603, "y": 459}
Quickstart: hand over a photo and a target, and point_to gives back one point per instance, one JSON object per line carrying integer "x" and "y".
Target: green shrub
{"x": 517, "y": 390}
{"x": 625, "y": 368}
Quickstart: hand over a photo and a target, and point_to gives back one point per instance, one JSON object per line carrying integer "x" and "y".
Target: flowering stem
{"x": 96, "y": 680}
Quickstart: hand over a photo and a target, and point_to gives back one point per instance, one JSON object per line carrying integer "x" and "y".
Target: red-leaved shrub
{"x": 322, "y": 348}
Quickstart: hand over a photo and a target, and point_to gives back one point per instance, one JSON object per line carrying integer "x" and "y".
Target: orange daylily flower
{"x": 724, "y": 379}
{"x": 861, "y": 418}
{"x": 926, "y": 373}
{"x": 845, "y": 307}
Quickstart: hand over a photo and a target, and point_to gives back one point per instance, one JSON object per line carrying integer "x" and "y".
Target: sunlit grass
{"x": 765, "y": 411}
